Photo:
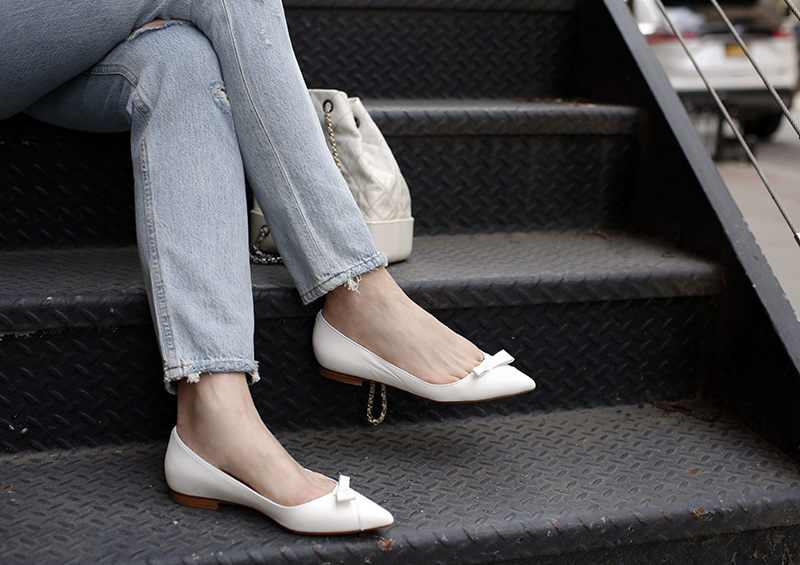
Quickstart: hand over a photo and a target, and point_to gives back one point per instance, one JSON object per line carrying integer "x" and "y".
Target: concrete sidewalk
{"x": 780, "y": 161}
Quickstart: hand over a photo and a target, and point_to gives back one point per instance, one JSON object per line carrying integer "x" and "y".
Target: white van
{"x": 769, "y": 35}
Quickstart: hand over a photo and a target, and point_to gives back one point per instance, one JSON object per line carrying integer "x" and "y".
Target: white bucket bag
{"x": 371, "y": 172}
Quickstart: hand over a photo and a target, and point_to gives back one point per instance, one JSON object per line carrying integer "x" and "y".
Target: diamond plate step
{"x": 473, "y": 491}
{"x": 96, "y": 287}
{"x": 596, "y": 318}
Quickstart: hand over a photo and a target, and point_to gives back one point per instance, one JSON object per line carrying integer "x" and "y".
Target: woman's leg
{"x": 314, "y": 220}
{"x": 312, "y": 216}
{"x": 317, "y": 226}
{"x": 309, "y": 208}
{"x": 218, "y": 420}
{"x": 307, "y": 204}
{"x": 163, "y": 84}
{"x": 46, "y": 43}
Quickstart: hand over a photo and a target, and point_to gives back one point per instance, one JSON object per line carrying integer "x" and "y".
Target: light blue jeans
{"x": 208, "y": 99}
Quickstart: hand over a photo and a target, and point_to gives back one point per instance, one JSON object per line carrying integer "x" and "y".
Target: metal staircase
{"x": 565, "y": 211}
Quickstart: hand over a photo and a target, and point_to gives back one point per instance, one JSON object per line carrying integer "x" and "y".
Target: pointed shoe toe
{"x": 500, "y": 381}
{"x": 344, "y": 360}
{"x": 195, "y": 482}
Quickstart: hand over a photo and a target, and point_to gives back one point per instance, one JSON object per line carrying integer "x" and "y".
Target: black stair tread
{"x": 497, "y": 117}
{"x": 481, "y": 489}
{"x": 96, "y": 287}
{"x": 437, "y": 116}
{"x": 550, "y": 267}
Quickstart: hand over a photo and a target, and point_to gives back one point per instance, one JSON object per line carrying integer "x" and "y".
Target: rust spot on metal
{"x": 693, "y": 471}
{"x": 664, "y": 511}
{"x": 5, "y": 488}
{"x": 385, "y": 544}
{"x": 699, "y": 513}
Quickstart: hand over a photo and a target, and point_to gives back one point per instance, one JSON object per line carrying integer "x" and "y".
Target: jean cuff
{"x": 193, "y": 371}
{"x": 343, "y": 277}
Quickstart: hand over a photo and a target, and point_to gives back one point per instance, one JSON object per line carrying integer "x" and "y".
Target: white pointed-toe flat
{"x": 195, "y": 482}
{"x": 342, "y": 359}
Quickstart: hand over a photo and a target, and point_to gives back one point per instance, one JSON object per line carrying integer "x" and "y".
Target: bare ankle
{"x": 203, "y": 404}
{"x": 213, "y": 388}
{"x": 376, "y": 289}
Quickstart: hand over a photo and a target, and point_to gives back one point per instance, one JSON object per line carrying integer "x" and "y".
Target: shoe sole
{"x": 358, "y": 381}
{"x": 213, "y": 504}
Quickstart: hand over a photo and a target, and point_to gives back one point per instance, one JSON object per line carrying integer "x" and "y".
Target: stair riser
{"x": 64, "y": 189}
{"x": 482, "y": 184}
{"x": 82, "y": 191}
{"x": 437, "y": 54}
{"x": 80, "y": 388}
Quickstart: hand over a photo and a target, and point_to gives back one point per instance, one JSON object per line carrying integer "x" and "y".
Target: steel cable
{"x": 793, "y": 8}
{"x": 730, "y": 122}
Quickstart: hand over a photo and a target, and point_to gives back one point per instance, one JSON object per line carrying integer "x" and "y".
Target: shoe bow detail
{"x": 343, "y": 491}
{"x": 491, "y": 362}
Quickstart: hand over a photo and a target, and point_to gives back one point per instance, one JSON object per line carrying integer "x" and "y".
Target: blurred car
{"x": 768, "y": 34}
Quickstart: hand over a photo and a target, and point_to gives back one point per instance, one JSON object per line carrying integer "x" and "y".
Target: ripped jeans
{"x": 208, "y": 98}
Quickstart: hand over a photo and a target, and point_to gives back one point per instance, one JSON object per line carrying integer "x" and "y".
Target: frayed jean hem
{"x": 192, "y": 372}
{"x": 343, "y": 277}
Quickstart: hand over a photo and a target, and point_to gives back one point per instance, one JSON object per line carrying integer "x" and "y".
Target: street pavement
{"x": 780, "y": 161}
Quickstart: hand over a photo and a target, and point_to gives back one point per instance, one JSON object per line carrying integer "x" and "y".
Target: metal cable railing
{"x": 793, "y": 8}
{"x": 728, "y": 118}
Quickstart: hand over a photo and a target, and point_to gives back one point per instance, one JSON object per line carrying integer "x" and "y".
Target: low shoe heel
{"x": 340, "y": 377}
{"x": 194, "y": 501}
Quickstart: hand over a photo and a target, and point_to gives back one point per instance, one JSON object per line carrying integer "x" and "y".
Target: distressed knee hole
{"x": 220, "y": 96}
{"x": 265, "y": 36}
{"x": 155, "y": 25}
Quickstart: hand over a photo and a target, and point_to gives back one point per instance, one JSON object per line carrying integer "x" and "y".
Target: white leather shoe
{"x": 195, "y": 482}
{"x": 342, "y": 359}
